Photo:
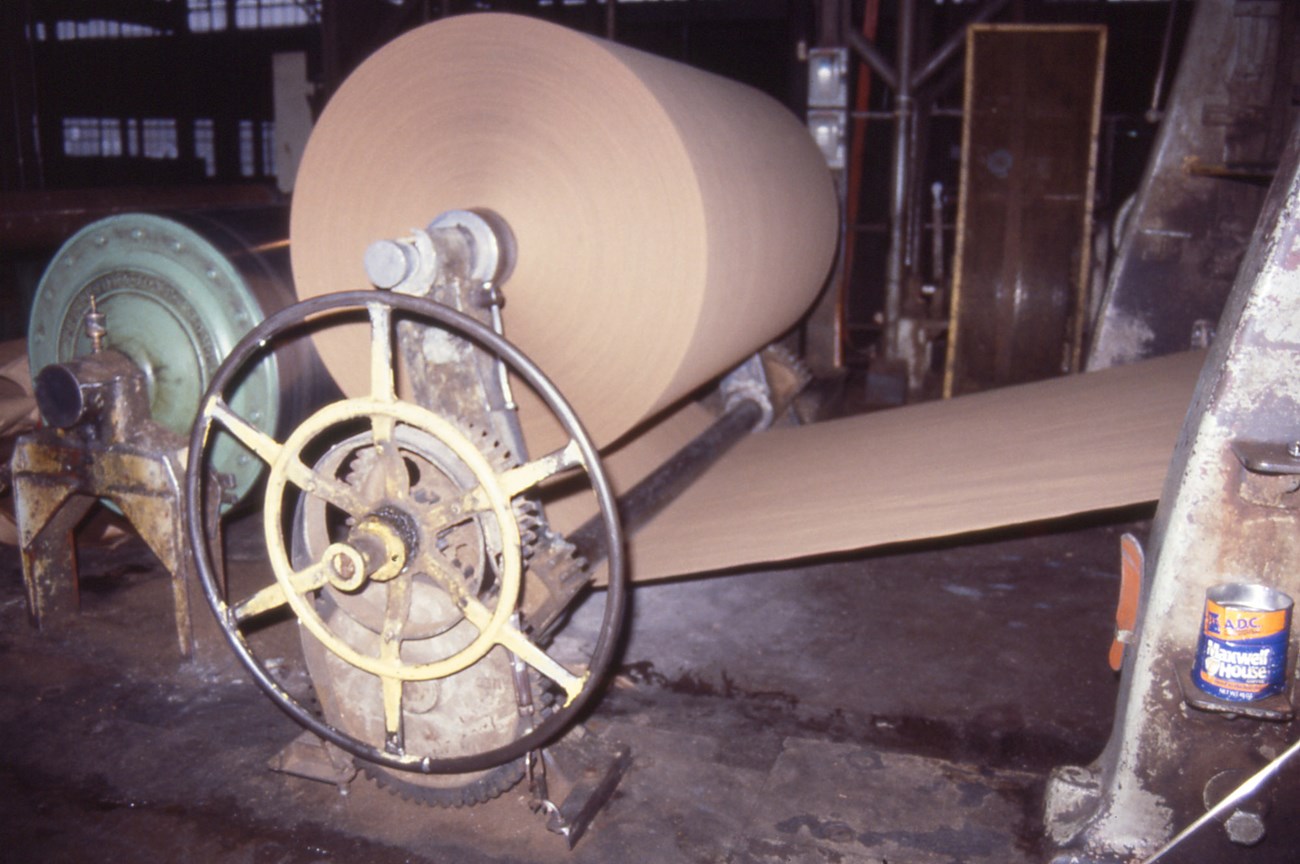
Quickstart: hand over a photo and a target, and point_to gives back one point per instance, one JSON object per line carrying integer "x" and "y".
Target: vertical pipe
{"x": 936, "y": 235}
{"x": 916, "y": 145}
{"x": 853, "y": 183}
{"x": 898, "y": 190}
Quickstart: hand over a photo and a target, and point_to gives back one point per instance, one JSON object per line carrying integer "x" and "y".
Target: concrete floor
{"x": 902, "y": 706}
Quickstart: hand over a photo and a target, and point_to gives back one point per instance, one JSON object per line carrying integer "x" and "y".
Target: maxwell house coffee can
{"x": 1241, "y": 656}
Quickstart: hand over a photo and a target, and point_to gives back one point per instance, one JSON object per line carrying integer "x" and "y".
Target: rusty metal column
{"x": 898, "y": 181}
{"x": 1229, "y": 513}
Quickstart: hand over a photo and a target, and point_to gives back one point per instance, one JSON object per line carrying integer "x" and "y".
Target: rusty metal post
{"x": 1224, "y": 124}
{"x": 102, "y": 444}
{"x": 1230, "y": 512}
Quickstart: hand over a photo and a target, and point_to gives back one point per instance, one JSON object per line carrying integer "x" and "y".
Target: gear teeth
{"x": 497, "y": 453}
{"x": 493, "y": 784}
{"x": 562, "y": 558}
{"x": 528, "y": 515}
{"x": 778, "y": 353}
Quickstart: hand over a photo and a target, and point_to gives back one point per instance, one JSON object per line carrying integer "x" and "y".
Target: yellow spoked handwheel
{"x": 392, "y": 530}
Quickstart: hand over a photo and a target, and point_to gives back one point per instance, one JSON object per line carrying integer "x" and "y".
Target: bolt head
{"x": 387, "y": 263}
{"x": 1244, "y": 828}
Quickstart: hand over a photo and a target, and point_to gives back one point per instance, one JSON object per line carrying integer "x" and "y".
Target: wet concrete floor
{"x": 902, "y": 706}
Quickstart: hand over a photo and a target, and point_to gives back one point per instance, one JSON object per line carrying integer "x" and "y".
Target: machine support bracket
{"x": 109, "y": 449}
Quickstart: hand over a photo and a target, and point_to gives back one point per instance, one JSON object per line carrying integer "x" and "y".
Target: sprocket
{"x": 555, "y": 571}
{"x": 487, "y": 787}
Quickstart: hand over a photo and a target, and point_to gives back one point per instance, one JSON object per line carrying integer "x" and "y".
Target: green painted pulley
{"x": 177, "y": 294}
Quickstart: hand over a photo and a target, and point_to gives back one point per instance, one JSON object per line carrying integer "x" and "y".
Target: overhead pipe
{"x": 867, "y": 50}
{"x": 904, "y": 81}
{"x": 955, "y": 42}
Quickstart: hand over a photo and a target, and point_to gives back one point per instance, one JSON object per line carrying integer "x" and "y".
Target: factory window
{"x": 206, "y": 16}
{"x": 268, "y": 148}
{"x": 247, "y": 154}
{"x": 261, "y": 14}
{"x": 104, "y": 137}
{"x": 257, "y": 148}
{"x": 97, "y": 28}
{"x": 92, "y": 136}
{"x": 159, "y": 138}
{"x": 205, "y": 145}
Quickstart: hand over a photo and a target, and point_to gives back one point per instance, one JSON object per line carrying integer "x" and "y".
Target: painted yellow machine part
{"x": 341, "y": 562}
{"x": 287, "y": 466}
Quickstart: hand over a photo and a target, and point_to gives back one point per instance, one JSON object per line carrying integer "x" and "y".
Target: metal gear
{"x": 464, "y": 713}
{"x": 434, "y": 476}
{"x": 552, "y": 563}
{"x": 345, "y": 692}
{"x": 549, "y": 558}
{"x": 477, "y": 646}
{"x": 492, "y": 784}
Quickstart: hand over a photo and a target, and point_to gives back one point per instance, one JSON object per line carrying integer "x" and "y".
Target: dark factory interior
{"x": 740, "y": 431}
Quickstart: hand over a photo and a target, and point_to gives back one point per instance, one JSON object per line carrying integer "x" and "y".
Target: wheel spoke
{"x": 269, "y": 450}
{"x": 382, "y": 387}
{"x": 530, "y": 474}
{"x": 439, "y": 569}
{"x": 329, "y": 489}
{"x": 396, "y": 612}
{"x": 396, "y": 482}
{"x": 449, "y": 514}
{"x": 266, "y": 447}
{"x": 520, "y": 645}
{"x": 394, "y": 737}
{"x": 273, "y": 596}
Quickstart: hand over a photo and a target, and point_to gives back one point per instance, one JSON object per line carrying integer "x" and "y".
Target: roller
{"x": 669, "y": 222}
{"x": 177, "y": 292}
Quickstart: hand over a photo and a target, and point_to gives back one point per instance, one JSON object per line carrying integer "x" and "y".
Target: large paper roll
{"x": 669, "y": 221}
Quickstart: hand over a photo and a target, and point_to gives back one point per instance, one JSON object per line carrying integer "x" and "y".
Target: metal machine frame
{"x": 1229, "y": 513}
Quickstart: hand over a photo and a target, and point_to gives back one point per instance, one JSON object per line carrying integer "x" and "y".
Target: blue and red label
{"x": 1242, "y": 652}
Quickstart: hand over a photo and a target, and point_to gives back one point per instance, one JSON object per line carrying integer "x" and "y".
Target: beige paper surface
{"x": 669, "y": 221}
{"x": 1020, "y": 454}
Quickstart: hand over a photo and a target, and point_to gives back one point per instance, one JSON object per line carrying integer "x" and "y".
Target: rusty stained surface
{"x": 118, "y": 453}
{"x": 1217, "y": 523}
{"x": 1230, "y": 106}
